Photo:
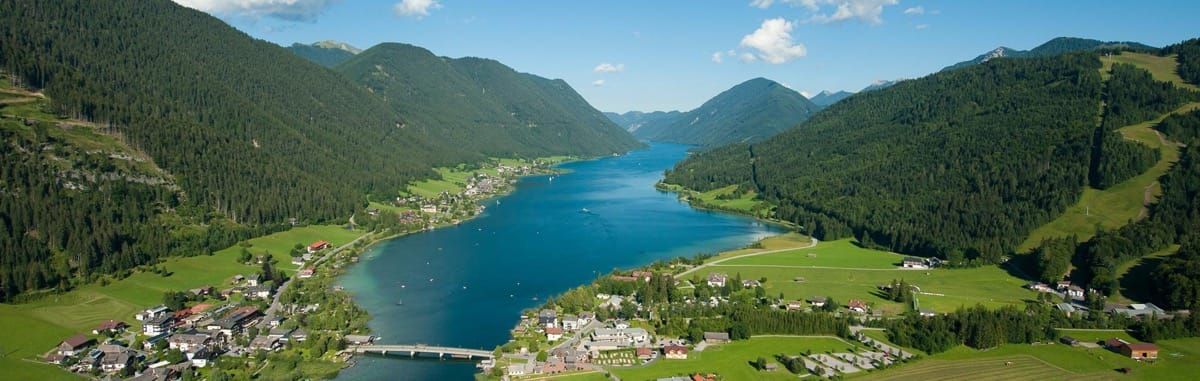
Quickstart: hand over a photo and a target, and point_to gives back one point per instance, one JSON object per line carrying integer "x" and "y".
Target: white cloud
{"x": 922, "y": 26}
{"x": 416, "y": 8}
{"x": 609, "y": 68}
{"x": 291, "y": 10}
{"x": 747, "y": 57}
{"x": 917, "y": 10}
{"x": 598, "y": 83}
{"x": 773, "y": 42}
{"x": 868, "y": 11}
{"x": 716, "y": 57}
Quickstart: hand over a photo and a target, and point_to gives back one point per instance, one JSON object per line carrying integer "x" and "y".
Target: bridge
{"x": 418, "y": 349}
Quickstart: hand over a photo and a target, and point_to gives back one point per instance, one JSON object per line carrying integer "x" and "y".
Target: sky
{"x": 674, "y": 55}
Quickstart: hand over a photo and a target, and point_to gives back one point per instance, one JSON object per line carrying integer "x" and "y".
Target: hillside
{"x": 960, "y": 162}
{"x": 1054, "y": 47}
{"x": 634, "y": 120}
{"x": 826, "y": 98}
{"x": 325, "y": 53}
{"x": 751, "y": 111}
{"x": 482, "y": 105}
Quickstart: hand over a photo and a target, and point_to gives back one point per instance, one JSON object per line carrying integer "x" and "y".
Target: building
{"x": 644, "y": 353}
{"x": 188, "y": 342}
{"x": 914, "y": 263}
{"x": 318, "y": 246}
{"x": 548, "y": 318}
{"x": 264, "y": 343}
{"x": 818, "y": 301}
{"x": 298, "y": 261}
{"x": 751, "y": 283}
{"x": 717, "y": 279}
{"x": 1139, "y": 310}
{"x": 1039, "y": 287}
{"x": 157, "y": 326}
{"x": 115, "y": 358}
{"x": 795, "y": 305}
{"x": 925, "y": 312}
{"x": 74, "y": 345}
{"x": 152, "y": 313}
{"x": 112, "y": 326}
{"x": 306, "y": 273}
{"x": 675, "y": 352}
{"x": 201, "y": 357}
{"x": 585, "y": 318}
{"x": 553, "y": 333}
{"x": 1075, "y": 292}
{"x": 856, "y": 305}
{"x": 643, "y": 275}
{"x": 1139, "y": 351}
{"x": 261, "y": 291}
{"x": 570, "y": 322}
{"x": 716, "y": 337}
{"x": 359, "y": 339}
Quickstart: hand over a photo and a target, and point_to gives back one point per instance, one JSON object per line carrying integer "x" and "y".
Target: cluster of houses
{"x": 1076, "y": 306}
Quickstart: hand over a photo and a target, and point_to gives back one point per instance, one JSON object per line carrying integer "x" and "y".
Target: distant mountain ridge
{"x": 1054, "y": 47}
{"x": 484, "y": 106}
{"x": 751, "y": 111}
{"x": 634, "y": 120}
{"x": 326, "y": 53}
{"x": 826, "y": 98}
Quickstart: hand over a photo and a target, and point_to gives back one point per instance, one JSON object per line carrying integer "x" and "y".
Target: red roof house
{"x": 318, "y": 245}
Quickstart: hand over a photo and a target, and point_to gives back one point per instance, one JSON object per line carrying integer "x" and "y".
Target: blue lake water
{"x": 465, "y": 286}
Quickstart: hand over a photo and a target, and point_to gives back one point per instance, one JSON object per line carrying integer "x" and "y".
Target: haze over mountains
{"x": 327, "y": 53}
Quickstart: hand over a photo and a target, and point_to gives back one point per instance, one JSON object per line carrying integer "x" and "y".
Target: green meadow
{"x": 732, "y": 361}
{"x": 1163, "y": 69}
{"x": 843, "y": 253}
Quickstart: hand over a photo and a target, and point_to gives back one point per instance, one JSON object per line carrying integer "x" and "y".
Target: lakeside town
{"x": 277, "y": 323}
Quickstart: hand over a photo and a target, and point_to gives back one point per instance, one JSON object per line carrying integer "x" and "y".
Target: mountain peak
{"x": 331, "y": 44}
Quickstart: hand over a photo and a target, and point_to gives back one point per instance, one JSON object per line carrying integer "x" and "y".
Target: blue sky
{"x": 661, "y": 53}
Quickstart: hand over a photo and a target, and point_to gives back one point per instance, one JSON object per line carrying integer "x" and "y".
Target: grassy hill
{"x": 484, "y": 106}
{"x": 749, "y": 112}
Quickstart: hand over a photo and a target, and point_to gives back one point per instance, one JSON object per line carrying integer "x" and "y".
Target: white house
{"x": 570, "y": 322}
{"x": 554, "y": 333}
{"x": 185, "y": 342}
{"x": 914, "y": 263}
{"x": 152, "y": 313}
{"x": 716, "y": 280}
{"x": 156, "y": 326}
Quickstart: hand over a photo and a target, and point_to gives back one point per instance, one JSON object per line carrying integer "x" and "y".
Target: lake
{"x": 465, "y": 286}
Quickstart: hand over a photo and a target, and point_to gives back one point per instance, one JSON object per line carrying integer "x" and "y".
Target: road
{"x": 811, "y": 244}
{"x": 276, "y": 305}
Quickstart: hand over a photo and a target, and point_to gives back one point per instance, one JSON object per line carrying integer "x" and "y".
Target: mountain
{"x": 751, "y": 111}
{"x": 826, "y": 98}
{"x": 483, "y": 106}
{"x": 880, "y": 84}
{"x": 635, "y": 120}
{"x": 325, "y": 53}
{"x": 1054, "y": 47}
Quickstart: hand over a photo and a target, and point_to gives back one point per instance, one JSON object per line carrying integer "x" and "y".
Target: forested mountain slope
{"x": 325, "y": 53}
{"x": 960, "y": 162}
{"x": 482, "y": 105}
{"x": 751, "y": 111}
{"x": 1054, "y": 47}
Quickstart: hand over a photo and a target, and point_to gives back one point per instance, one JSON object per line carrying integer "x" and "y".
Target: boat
{"x": 585, "y": 210}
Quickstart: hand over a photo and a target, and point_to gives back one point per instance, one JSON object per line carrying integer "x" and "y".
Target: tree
{"x": 739, "y": 331}
{"x": 760, "y": 363}
{"x": 542, "y": 356}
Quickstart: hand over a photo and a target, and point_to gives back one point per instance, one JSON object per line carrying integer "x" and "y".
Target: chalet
{"x": 238, "y": 278}
{"x": 318, "y": 246}
{"x": 54, "y": 358}
{"x": 305, "y": 273}
{"x": 644, "y": 353}
{"x": 795, "y": 305}
{"x": 1114, "y": 343}
{"x": 264, "y": 343}
{"x": 254, "y": 280}
{"x": 201, "y": 357}
{"x": 1075, "y": 292}
{"x": 112, "y": 326}
{"x": 914, "y": 263}
{"x": 359, "y": 339}
{"x": 675, "y": 352}
{"x": 717, "y": 280}
{"x": 716, "y": 337}
{"x": 261, "y": 291}
{"x": 570, "y": 322}
{"x": 751, "y": 283}
{"x": 548, "y": 318}
{"x": 157, "y": 326}
{"x": 74, "y": 345}
{"x": 152, "y": 313}
{"x": 1139, "y": 351}
{"x": 856, "y": 305}
{"x": 233, "y": 322}
{"x": 116, "y": 358}
{"x": 818, "y": 301}
{"x": 553, "y": 333}
{"x": 188, "y": 342}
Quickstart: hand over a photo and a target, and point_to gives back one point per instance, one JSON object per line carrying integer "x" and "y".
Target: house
{"x": 285, "y": 333}
{"x": 1075, "y": 292}
{"x": 637, "y": 335}
{"x": 716, "y": 337}
{"x": 643, "y": 275}
{"x": 613, "y": 302}
{"x": 261, "y": 291}
{"x": 795, "y": 305}
{"x": 161, "y": 373}
{"x": 644, "y": 353}
{"x": 751, "y": 283}
{"x": 115, "y": 358}
{"x": 717, "y": 280}
{"x": 188, "y": 342}
{"x": 74, "y": 345}
{"x": 298, "y": 261}
{"x": 817, "y": 301}
{"x": 914, "y": 263}
{"x": 553, "y": 366}
{"x": 553, "y": 333}
{"x": 675, "y": 352}
{"x": 234, "y": 321}
{"x": 202, "y": 291}
{"x": 925, "y": 312}
{"x": 1139, "y": 310}
{"x": 201, "y": 357}
{"x": 856, "y": 305}
{"x": 1039, "y": 287}
{"x": 548, "y": 318}
{"x": 620, "y": 324}
{"x": 771, "y": 367}
{"x": 254, "y": 280}
{"x": 519, "y": 369}
{"x": 624, "y": 278}
{"x": 157, "y": 326}
{"x": 1068, "y": 308}
{"x": 606, "y": 345}
{"x": 608, "y": 334}
{"x": 264, "y": 343}
{"x": 299, "y": 334}
{"x": 1062, "y": 285}
{"x": 112, "y": 326}
{"x": 1139, "y": 351}
{"x": 429, "y": 209}
{"x": 1114, "y": 343}
{"x": 570, "y": 322}
{"x": 305, "y": 273}
{"x": 54, "y": 358}
{"x": 152, "y": 313}
{"x": 318, "y": 246}
{"x": 585, "y": 318}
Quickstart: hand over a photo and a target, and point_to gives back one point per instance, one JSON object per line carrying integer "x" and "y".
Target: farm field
{"x": 732, "y": 361}
{"x": 55, "y": 317}
{"x": 858, "y": 274}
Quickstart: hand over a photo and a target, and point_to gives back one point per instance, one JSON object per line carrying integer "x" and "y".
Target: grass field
{"x": 850, "y": 272}
{"x": 1162, "y": 68}
{"x": 732, "y": 361}
{"x": 1134, "y": 277}
{"x": 47, "y": 321}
